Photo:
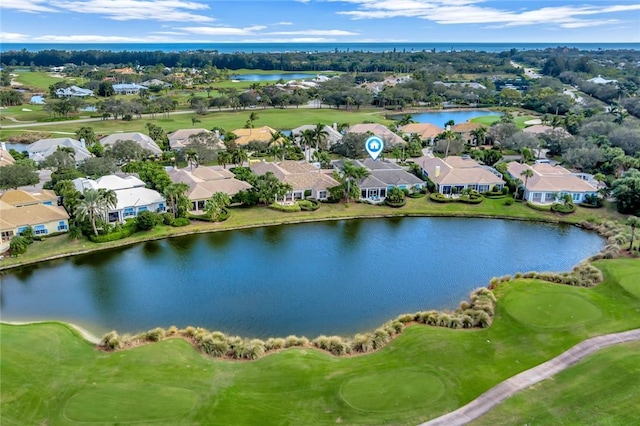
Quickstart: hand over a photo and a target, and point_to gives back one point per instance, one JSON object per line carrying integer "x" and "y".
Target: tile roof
{"x": 299, "y": 174}
{"x": 380, "y": 130}
{"x": 5, "y": 158}
{"x": 205, "y": 181}
{"x": 548, "y": 178}
{"x": 258, "y": 134}
{"x": 41, "y": 149}
{"x": 17, "y": 197}
{"x": 12, "y": 217}
{"x": 455, "y": 170}
{"x": 465, "y": 127}
{"x": 424, "y": 130}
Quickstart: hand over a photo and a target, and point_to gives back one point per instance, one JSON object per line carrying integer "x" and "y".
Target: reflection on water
{"x": 337, "y": 277}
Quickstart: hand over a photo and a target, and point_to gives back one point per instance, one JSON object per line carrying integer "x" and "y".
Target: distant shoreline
{"x": 257, "y": 47}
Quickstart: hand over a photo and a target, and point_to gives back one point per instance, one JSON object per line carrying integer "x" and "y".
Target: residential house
{"x": 141, "y": 139}
{"x": 425, "y": 131}
{"x": 306, "y": 180}
{"x": 550, "y": 183}
{"x": 333, "y": 136}
{"x": 73, "y": 91}
{"x": 6, "y": 159}
{"x": 132, "y": 196}
{"x": 124, "y": 71}
{"x": 257, "y": 134}
{"x": 383, "y": 175}
{"x": 601, "y": 80}
{"x": 453, "y": 174}
{"x": 205, "y": 181}
{"x": 180, "y": 138}
{"x": 156, "y": 83}
{"x": 39, "y": 210}
{"x": 469, "y": 84}
{"x": 41, "y": 149}
{"x": 128, "y": 88}
{"x": 390, "y": 139}
{"x": 539, "y": 129}
{"x": 465, "y": 130}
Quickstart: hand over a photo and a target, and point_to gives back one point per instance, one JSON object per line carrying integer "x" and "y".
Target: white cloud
{"x": 86, "y": 38}
{"x": 31, "y": 6}
{"x": 284, "y": 23}
{"x": 478, "y": 12}
{"x": 12, "y": 37}
{"x": 314, "y": 33}
{"x": 222, "y": 31}
{"x": 147, "y": 10}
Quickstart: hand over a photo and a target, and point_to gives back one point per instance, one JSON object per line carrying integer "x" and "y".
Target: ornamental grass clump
{"x": 363, "y": 343}
{"x": 295, "y": 341}
{"x": 154, "y": 335}
{"x": 111, "y": 341}
{"x": 273, "y": 344}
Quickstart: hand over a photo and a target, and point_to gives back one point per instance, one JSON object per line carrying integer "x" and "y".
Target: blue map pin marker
{"x": 374, "y": 146}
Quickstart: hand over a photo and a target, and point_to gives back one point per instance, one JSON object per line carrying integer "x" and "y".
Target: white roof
{"x": 137, "y": 197}
{"x": 41, "y": 149}
{"x": 116, "y": 182}
{"x": 130, "y": 191}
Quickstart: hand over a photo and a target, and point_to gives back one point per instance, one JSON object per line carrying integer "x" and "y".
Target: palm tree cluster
{"x": 95, "y": 205}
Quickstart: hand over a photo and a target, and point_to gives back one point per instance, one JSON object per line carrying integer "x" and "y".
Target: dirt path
{"x": 528, "y": 378}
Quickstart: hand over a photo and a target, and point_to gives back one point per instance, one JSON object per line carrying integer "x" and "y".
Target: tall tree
{"x": 216, "y": 204}
{"x": 320, "y": 136}
{"x": 174, "y": 193}
{"x": 527, "y": 173}
{"x": 192, "y": 158}
{"x": 91, "y": 207}
{"x": 351, "y": 174}
{"x": 633, "y": 222}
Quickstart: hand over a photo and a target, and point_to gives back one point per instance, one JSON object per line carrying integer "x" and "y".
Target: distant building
{"x": 257, "y": 134}
{"x": 469, "y": 84}
{"x": 333, "y": 136}
{"x": 73, "y": 91}
{"x": 426, "y": 131}
{"x": 41, "y": 149}
{"x": 380, "y": 130}
{"x": 128, "y": 88}
{"x": 6, "y": 159}
{"x": 601, "y": 80}
{"x": 180, "y": 139}
{"x": 141, "y": 139}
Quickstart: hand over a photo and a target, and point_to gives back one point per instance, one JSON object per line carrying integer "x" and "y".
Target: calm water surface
{"x": 271, "y": 77}
{"x": 325, "y": 278}
{"x": 440, "y": 117}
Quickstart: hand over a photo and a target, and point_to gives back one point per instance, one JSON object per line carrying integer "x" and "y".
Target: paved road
{"x": 524, "y": 380}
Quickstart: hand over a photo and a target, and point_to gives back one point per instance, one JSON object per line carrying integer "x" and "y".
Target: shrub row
{"x": 545, "y": 208}
{"x": 416, "y": 194}
{"x": 494, "y": 194}
{"x": 478, "y": 312}
{"x": 583, "y": 275}
{"x": 469, "y": 199}
{"x": 617, "y": 235}
{"x": 563, "y": 208}
{"x": 395, "y": 205}
{"x": 124, "y": 232}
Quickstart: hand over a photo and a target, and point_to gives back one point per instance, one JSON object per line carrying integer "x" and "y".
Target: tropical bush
{"x": 146, "y": 220}
{"x": 309, "y": 204}
{"x": 18, "y": 245}
{"x": 287, "y": 208}
{"x": 180, "y": 221}
{"x": 111, "y": 341}
{"x": 123, "y": 232}
{"x": 563, "y": 208}
{"x": 541, "y": 208}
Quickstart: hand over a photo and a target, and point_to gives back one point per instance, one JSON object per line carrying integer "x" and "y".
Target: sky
{"x": 308, "y": 21}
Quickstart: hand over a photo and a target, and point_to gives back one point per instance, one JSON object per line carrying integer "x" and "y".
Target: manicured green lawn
{"x": 38, "y": 81}
{"x": 602, "y": 389}
{"x": 51, "y": 375}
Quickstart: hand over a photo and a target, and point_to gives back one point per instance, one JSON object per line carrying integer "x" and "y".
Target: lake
{"x": 440, "y": 117}
{"x": 271, "y": 77}
{"x": 338, "y": 277}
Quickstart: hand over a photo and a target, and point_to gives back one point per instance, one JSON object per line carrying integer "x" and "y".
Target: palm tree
{"x": 192, "y": 158}
{"x": 527, "y": 173}
{"x": 406, "y": 119}
{"x": 278, "y": 142}
{"x": 239, "y": 156}
{"x": 215, "y": 205}
{"x": 224, "y": 158}
{"x": 448, "y": 135}
{"x": 172, "y": 193}
{"x": 479, "y": 134}
{"x": 252, "y": 117}
{"x": 92, "y": 206}
{"x": 320, "y": 136}
{"x": 306, "y": 140}
{"x": 351, "y": 172}
{"x": 633, "y": 222}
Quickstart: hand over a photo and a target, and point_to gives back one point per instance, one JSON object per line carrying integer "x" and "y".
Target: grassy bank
{"x": 49, "y": 374}
{"x": 261, "y": 216}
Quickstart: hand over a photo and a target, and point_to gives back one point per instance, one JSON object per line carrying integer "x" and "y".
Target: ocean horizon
{"x": 221, "y": 47}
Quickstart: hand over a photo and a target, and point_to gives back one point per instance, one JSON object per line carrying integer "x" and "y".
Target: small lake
{"x": 337, "y": 277}
{"x": 272, "y": 77}
{"x": 37, "y": 99}
{"x": 440, "y": 117}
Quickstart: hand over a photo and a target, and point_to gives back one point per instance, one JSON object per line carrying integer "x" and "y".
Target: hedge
{"x": 440, "y": 198}
{"x": 416, "y": 194}
{"x": 494, "y": 194}
{"x": 563, "y": 208}
{"x": 205, "y": 218}
{"x": 180, "y": 221}
{"x": 545, "y": 208}
{"x": 472, "y": 199}
{"x": 125, "y": 232}
{"x": 309, "y": 204}
{"x": 395, "y": 205}
{"x": 289, "y": 208}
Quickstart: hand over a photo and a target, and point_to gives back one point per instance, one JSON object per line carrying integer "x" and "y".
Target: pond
{"x": 271, "y": 77}
{"x": 440, "y": 117}
{"x": 338, "y": 277}
{"x": 37, "y": 99}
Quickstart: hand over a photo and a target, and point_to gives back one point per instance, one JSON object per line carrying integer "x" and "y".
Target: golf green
{"x": 129, "y": 403}
{"x": 631, "y": 283}
{"x": 550, "y": 306}
{"x": 393, "y": 391}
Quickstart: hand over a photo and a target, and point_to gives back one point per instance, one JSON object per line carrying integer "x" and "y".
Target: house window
{"x": 62, "y": 226}
{"x": 576, "y": 197}
{"x": 142, "y": 209}
{"x": 297, "y": 195}
{"x": 40, "y": 230}
{"x": 483, "y": 188}
{"x": 322, "y": 195}
{"x": 48, "y": 203}
{"x": 128, "y": 212}
{"x": 161, "y": 207}
{"x": 6, "y": 235}
{"x": 22, "y": 229}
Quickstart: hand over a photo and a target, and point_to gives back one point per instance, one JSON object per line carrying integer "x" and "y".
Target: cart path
{"x": 524, "y": 380}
